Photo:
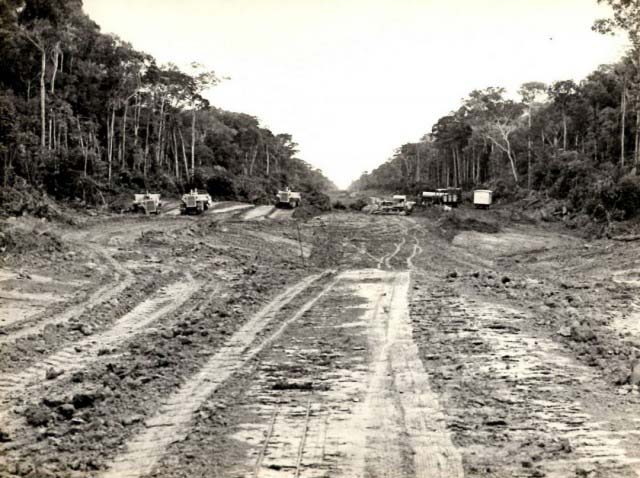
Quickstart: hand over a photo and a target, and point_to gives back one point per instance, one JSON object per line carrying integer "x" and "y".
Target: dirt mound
{"x": 23, "y": 200}
{"x": 313, "y": 205}
{"x": 19, "y": 241}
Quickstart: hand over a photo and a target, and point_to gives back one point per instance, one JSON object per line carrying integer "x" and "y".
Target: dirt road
{"x": 368, "y": 346}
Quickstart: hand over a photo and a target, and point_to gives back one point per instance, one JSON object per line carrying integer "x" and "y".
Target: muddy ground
{"x": 244, "y": 343}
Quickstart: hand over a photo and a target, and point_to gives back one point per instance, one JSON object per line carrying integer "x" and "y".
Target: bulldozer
{"x": 195, "y": 202}
{"x": 288, "y": 198}
{"x": 397, "y": 205}
{"x": 147, "y": 203}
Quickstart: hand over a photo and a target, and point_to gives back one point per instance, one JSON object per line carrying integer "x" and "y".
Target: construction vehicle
{"x": 430, "y": 198}
{"x": 288, "y": 198}
{"x": 450, "y": 197}
{"x": 482, "y": 198}
{"x": 195, "y": 202}
{"x": 147, "y": 203}
{"x": 397, "y": 205}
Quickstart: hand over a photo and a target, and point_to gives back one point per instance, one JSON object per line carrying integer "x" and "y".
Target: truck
{"x": 482, "y": 198}
{"x": 431, "y": 198}
{"x": 445, "y": 196}
{"x": 147, "y": 203}
{"x": 288, "y": 198}
{"x": 195, "y": 202}
{"x": 451, "y": 196}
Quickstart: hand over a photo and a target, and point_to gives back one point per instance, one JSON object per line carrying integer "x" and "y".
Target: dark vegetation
{"x": 86, "y": 117}
{"x": 574, "y": 142}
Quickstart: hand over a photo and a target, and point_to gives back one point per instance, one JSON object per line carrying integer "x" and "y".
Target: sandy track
{"x": 171, "y": 421}
{"x": 401, "y": 418}
{"x": 259, "y": 212}
{"x": 281, "y": 214}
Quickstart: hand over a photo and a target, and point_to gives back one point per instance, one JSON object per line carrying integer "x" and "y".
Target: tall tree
{"x": 531, "y": 93}
{"x": 562, "y": 92}
{"x": 626, "y": 18}
{"x": 496, "y": 119}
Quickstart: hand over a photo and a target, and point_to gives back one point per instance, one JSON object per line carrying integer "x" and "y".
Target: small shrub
{"x": 626, "y": 196}
{"x": 221, "y": 186}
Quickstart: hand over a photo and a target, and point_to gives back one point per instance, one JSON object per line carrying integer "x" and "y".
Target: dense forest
{"x": 576, "y": 142}
{"x": 83, "y": 115}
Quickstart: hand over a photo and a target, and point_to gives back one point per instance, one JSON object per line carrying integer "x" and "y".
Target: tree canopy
{"x": 83, "y": 114}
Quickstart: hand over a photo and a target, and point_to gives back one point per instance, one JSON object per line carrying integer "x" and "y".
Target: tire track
{"x": 387, "y": 259}
{"x": 258, "y": 212}
{"x": 221, "y": 210}
{"x": 396, "y": 431}
{"x": 404, "y": 425}
{"x": 529, "y": 380}
{"x": 34, "y": 325}
{"x": 84, "y": 352}
{"x": 417, "y": 250}
{"x": 171, "y": 422}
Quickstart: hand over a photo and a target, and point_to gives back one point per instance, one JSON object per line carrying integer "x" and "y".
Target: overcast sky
{"x": 351, "y": 80}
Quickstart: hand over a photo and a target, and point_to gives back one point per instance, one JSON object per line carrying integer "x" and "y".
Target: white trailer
{"x": 482, "y": 198}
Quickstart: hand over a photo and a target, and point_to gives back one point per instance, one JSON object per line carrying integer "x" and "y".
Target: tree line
{"x": 575, "y": 141}
{"x": 83, "y": 114}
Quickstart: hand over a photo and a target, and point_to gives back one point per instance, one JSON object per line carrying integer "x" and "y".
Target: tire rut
{"x": 409, "y": 435}
{"x": 366, "y": 412}
{"x": 34, "y": 325}
{"x": 81, "y": 354}
{"x": 171, "y": 422}
{"x": 530, "y": 389}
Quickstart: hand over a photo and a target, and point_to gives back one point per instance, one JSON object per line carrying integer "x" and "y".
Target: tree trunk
{"x": 111, "y": 131}
{"x": 267, "y": 153}
{"x": 85, "y": 153}
{"x": 623, "y": 113}
{"x": 123, "y": 145}
{"x": 43, "y": 94}
{"x": 175, "y": 152}
{"x": 136, "y": 121}
{"x": 254, "y": 155}
{"x": 417, "y": 164}
{"x": 184, "y": 152}
{"x": 193, "y": 143}
{"x": 160, "y": 128}
{"x": 564, "y": 130}
{"x": 146, "y": 147}
{"x": 529, "y": 146}
{"x": 636, "y": 153}
{"x": 56, "y": 57}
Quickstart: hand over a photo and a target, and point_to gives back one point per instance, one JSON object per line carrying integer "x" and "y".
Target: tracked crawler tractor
{"x": 147, "y": 203}
{"x": 288, "y": 198}
{"x": 397, "y": 205}
{"x": 195, "y": 202}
